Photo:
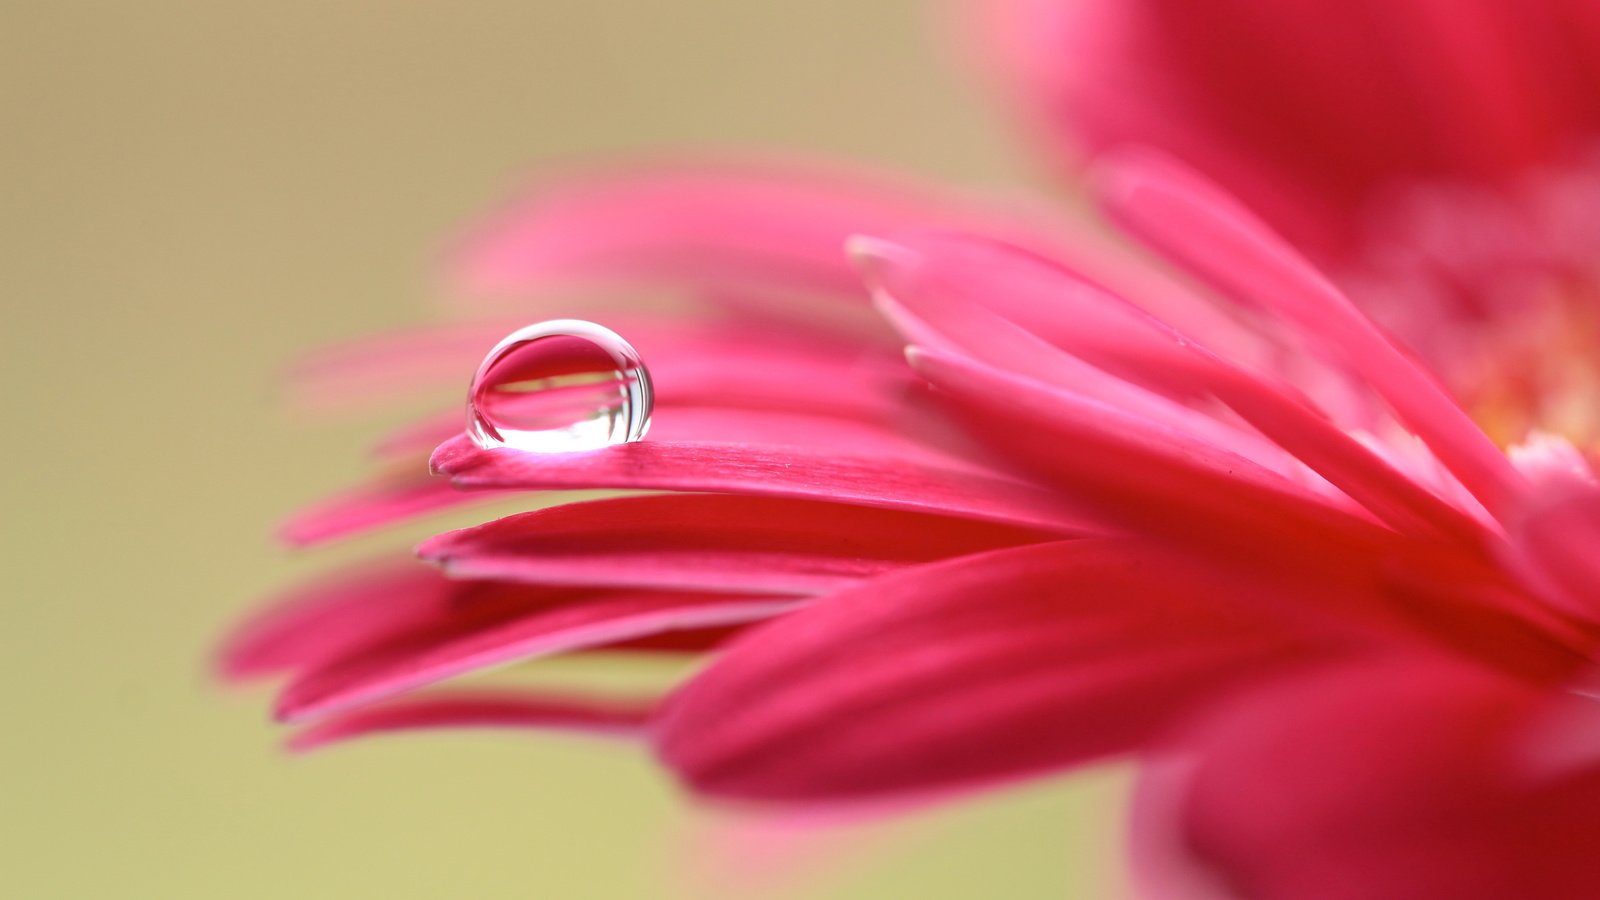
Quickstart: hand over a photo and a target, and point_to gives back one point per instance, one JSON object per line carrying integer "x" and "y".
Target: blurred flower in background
{"x": 1222, "y": 521}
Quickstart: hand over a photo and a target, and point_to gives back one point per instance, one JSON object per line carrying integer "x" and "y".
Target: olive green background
{"x": 192, "y": 193}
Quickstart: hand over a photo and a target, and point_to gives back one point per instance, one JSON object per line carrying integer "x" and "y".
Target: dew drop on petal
{"x": 557, "y": 387}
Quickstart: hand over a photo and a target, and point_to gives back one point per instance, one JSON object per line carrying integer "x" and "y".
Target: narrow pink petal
{"x": 1391, "y": 778}
{"x": 768, "y": 471}
{"x": 467, "y": 641}
{"x": 1139, "y": 477}
{"x": 378, "y": 604}
{"x": 482, "y": 709}
{"x": 711, "y": 542}
{"x": 388, "y": 500}
{"x": 1190, "y": 222}
{"x": 962, "y": 673}
{"x": 905, "y": 429}
{"x": 908, "y": 433}
{"x": 327, "y": 617}
{"x": 951, "y": 279}
{"x": 707, "y": 224}
{"x": 1129, "y": 468}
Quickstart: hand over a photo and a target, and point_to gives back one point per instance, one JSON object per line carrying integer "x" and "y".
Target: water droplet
{"x": 559, "y": 386}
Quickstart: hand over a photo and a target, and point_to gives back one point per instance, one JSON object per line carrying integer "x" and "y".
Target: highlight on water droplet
{"x": 557, "y": 387}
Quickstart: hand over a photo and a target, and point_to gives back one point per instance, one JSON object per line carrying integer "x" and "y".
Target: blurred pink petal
{"x": 714, "y": 225}
{"x": 1554, "y": 536}
{"x": 1389, "y": 778}
{"x": 463, "y": 640}
{"x": 481, "y": 709}
{"x": 1305, "y": 109}
{"x": 386, "y": 501}
{"x": 326, "y": 618}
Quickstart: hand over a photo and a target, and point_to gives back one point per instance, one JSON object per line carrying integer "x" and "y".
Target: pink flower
{"x": 1093, "y": 510}
{"x": 1441, "y": 159}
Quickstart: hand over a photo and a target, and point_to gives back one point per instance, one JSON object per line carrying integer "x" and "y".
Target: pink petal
{"x": 1554, "y": 532}
{"x": 949, "y": 279}
{"x": 768, "y": 471}
{"x": 902, "y": 428}
{"x": 465, "y": 640}
{"x": 1092, "y": 76}
{"x": 711, "y": 542}
{"x": 708, "y": 224}
{"x": 1188, "y": 221}
{"x": 330, "y": 616}
{"x": 382, "y": 367}
{"x": 388, "y": 500}
{"x": 912, "y": 438}
{"x": 1353, "y": 573}
{"x": 961, "y": 673}
{"x": 378, "y": 603}
{"x": 1392, "y": 778}
{"x": 481, "y": 709}
{"x": 1130, "y": 468}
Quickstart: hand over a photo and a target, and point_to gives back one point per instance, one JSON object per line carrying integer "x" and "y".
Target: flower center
{"x": 1499, "y": 290}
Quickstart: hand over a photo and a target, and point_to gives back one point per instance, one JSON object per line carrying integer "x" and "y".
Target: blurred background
{"x": 194, "y": 193}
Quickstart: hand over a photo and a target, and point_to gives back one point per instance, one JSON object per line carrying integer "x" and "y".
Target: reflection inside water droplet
{"x": 559, "y": 386}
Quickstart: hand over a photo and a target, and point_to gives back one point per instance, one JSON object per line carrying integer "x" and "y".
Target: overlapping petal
{"x": 983, "y": 668}
{"x": 504, "y": 624}
{"x": 712, "y": 542}
{"x": 1194, "y": 225}
{"x": 1393, "y": 778}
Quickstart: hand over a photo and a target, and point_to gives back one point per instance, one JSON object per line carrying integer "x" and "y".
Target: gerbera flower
{"x": 1091, "y": 511}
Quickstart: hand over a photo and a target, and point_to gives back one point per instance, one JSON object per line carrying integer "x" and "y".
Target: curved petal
{"x": 394, "y": 601}
{"x": 531, "y": 624}
{"x": 1131, "y": 469}
{"x": 950, "y": 278}
{"x": 329, "y": 616}
{"x": 1394, "y": 778}
{"x": 711, "y": 542}
{"x": 1190, "y": 222}
{"x": 387, "y": 500}
{"x": 482, "y": 709}
{"x": 952, "y": 675}
{"x": 907, "y": 436}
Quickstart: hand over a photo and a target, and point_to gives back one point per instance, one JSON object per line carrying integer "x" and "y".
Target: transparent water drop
{"x": 559, "y": 386}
